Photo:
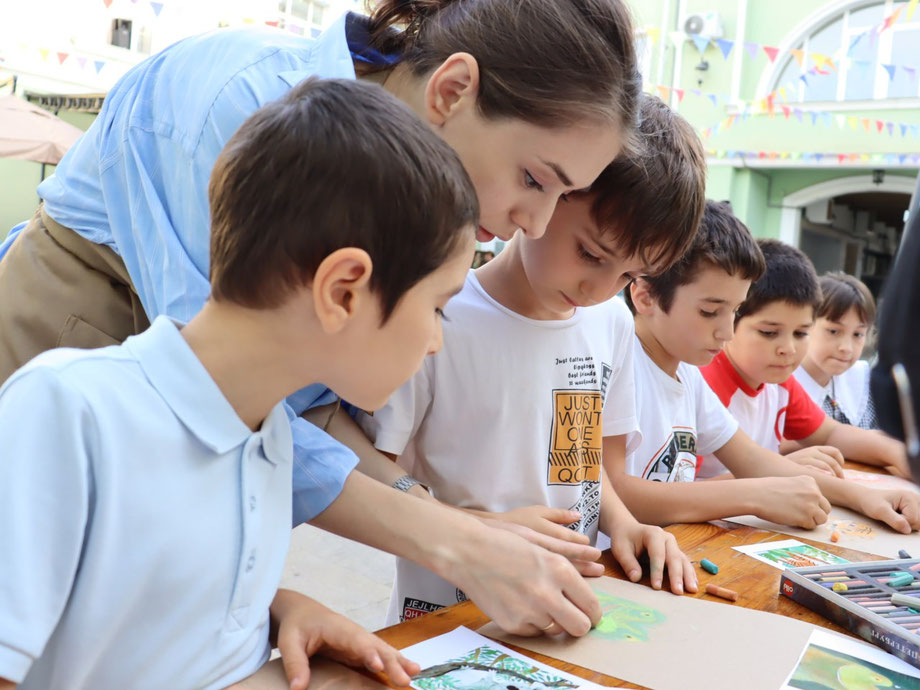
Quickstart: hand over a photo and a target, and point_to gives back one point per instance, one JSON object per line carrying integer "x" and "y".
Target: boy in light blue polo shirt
{"x": 145, "y": 489}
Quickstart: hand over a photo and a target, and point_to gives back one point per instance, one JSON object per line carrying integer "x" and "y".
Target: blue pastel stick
{"x": 709, "y": 566}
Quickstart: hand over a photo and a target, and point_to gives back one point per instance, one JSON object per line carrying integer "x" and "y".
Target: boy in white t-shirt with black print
{"x": 684, "y": 317}
{"x": 534, "y": 386}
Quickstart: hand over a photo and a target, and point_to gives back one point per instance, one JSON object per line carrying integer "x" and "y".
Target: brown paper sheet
{"x": 666, "y": 642}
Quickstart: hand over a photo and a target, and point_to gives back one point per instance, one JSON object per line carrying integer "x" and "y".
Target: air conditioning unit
{"x": 706, "y": 24}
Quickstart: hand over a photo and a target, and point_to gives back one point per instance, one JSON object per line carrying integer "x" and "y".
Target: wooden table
{"x": 757, "y": 585}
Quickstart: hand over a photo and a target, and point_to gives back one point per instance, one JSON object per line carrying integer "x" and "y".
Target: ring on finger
{"x": 548, "y": 625}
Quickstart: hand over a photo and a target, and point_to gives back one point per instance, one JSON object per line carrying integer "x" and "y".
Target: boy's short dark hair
{"x": 652, "y": 201}
{"x": 721, "y": 241}
{"x": 841, "y": 292}
{"x": 789, "y": 277}
{"x": 333, "y": 164}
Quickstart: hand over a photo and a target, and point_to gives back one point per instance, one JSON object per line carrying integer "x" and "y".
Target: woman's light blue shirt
{"x": 137, "y": 181}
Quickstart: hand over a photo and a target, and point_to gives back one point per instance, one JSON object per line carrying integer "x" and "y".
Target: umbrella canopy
{"x": 30, "y": 133}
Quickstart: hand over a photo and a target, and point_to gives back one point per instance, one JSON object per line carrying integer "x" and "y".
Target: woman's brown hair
{"x": 551, "y": 63}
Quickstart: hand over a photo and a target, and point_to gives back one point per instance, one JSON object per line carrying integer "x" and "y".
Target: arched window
{"x": 867, "y": 64}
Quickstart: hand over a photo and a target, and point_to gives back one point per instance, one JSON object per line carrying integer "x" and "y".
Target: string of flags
{"x": 820, "y": 63}
{"x": 889, "y": 159}
{"x": 94, "y": 65}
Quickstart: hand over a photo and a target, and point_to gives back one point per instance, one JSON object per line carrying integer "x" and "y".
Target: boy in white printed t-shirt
{"x": 683, "y": 317}
{"x": 534, "y": 386}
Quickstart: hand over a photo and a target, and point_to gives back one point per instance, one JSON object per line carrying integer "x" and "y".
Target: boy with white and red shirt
{"x": 769, "y": 414}
{"x": 753, "y": 374}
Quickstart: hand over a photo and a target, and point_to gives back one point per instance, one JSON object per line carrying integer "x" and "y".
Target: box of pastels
{"x": 870, "y": 599}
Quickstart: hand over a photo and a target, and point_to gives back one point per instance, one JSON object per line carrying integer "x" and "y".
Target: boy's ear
{"x": 641, "y": 297}
{"x": 453, "y": 86}
{"x": 340, "y": 287}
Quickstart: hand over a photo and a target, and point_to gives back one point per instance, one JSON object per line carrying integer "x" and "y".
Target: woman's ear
{"x": 340, "y": 287}
{"x": 641, "y": 297}
{"x": 452, "y": 87}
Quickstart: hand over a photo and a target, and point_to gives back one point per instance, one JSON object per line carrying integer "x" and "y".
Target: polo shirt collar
{"x": 335, "y": 50}
{"x": 726, "y": 365}
{"x": 194, "y": 397}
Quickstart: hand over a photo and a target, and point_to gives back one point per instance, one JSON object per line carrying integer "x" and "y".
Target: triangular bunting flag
{"x": 903, "y": 129}
{"x": 879, "y": 125}
{"x": 677, "y": 37}
{"x": 814, "y": 118}
{"x": 911, "y": 72}
{"x": 725, "y": 46}
{"x": 782, "y": 93}
{"x": 890, "y": 127}
{"x": 804, "y": 79}
{"x": 62, "y": 57}
{"x": 786, "y": 111}
{"x": 841, "y": 120}
{"x": 752, "y": 49}
{"x": 914, "y": 129}
{"x": 901, "y": 158}
{"x": 852, "y": 47}
{"x": 680, "y": 95}
{"x": 911, "y": 7}
{"x": 853, "y": 122}
{"x": 798, "y": 114}
{"x": 890, "y": 69}
{"x": 107, "y": 3}
{"x": 828, "y": 120}
{"x": 818, "y": 157}
{"x": 771, "y": 52}
{"x": 892, "y": 18}
{"x": 818, "y": 58}
{"x": 701, "y": 43}
{"x": 44, "y": 52}
{"x": 99, "y": 64}
{"x": 663, "y": 92}
{"x": 799, "y": 56}
{"x": 715, "y": 99}
{"x": 865, "y": 157}
{"x": 272, "y": 23}
{"x": 157, "y": 7}
{"x": 841, "y": 157}
{"x": 866, "y": 123}
{"x": 82, "y": 61}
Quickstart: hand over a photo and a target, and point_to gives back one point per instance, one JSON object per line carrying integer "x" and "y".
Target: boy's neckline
{"x": 811, "y": 368}
{"x": 655, "y": 351}
{"x": 748, "y": 386}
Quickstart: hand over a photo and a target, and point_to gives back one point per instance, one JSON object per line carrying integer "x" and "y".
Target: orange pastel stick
{"x": 722, "y": 592}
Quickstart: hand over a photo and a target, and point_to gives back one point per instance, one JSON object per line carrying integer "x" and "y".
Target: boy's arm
{"x": 629, "y": 538}
{"x": 44, "y": 506}
{"x": 519, "y": 585}
{"x": 898, "y": 508}
{"x": 792, "y": 501}
{"x": 862, "y": 445}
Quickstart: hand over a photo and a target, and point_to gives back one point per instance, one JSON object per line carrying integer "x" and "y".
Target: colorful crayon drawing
{"x": 849, "y": 528}
{"x": 485, "y": 668}
{"x": 801, "y": 556}
{"x": 824, "y": 669}
{"x": 625, "y": 620}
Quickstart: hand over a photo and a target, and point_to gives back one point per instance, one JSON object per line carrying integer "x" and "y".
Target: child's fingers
{"x": 623, "y": 553}
{"x": 398, "y": 669}
{"x": 691, "y": 581}
{"x": 589, "y": 568}
{"x": 295, "y": 661}
{"x": 675, "y": 562}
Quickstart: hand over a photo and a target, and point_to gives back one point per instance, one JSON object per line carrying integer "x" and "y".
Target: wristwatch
{"x": 406, "y": 482}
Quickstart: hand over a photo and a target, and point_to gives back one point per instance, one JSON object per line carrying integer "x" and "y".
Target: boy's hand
{"x": 630, "y": 538}
{"x": 306, "y": 627}
{"x": 896, "y": 507}
{"x": 795, "y": 501}
{"x": 544, "y": 527}
{"x": 825, "y": 458}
